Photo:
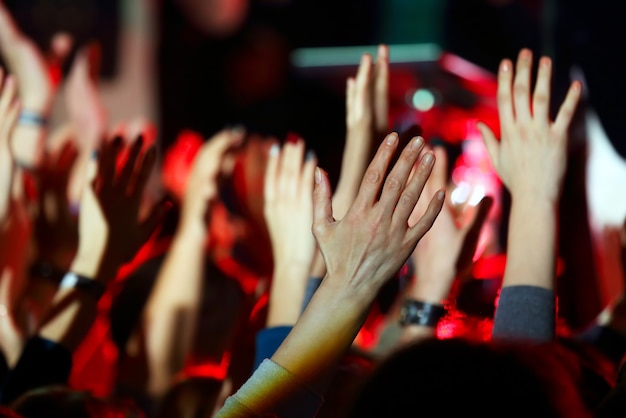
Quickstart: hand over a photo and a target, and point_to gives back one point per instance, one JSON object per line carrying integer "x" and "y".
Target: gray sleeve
{"x": 283, "y": 395}
{"x": 525, "y": 313}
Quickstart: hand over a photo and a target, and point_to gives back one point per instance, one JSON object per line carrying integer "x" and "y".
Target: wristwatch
{"x": 82, "y": 283}
{"x": 415, "y": 312}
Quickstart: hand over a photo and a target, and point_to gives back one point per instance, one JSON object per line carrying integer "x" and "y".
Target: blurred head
{"x": 62, "y": 402}
{"x": 460, "y": 378}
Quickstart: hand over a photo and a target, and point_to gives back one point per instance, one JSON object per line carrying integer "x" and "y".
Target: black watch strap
{"x": 82, "y": 283}
{"x": 415, "y": 312}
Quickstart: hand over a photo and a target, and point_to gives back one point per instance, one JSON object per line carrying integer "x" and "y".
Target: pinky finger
{"x": 566, "y": 112}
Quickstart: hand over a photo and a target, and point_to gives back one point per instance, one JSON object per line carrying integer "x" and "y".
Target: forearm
{"x": 288, "y": 287}
{"x": 171, "y": 313}
{"x": 532, "y": 244}
{"x": 323, "y": 333}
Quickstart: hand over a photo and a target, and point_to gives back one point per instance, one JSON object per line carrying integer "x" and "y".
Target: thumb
{"x": 491, "y": 142}
{"x": 322, "y": 207}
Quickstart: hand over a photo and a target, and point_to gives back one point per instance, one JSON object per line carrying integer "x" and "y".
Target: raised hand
{"x": 288, "y": 209}
{"x": 531, "y": 160}
{"x": 29, "y": 64}
{"x": 211, "y": 163}
{"x": 37, "y": 77}
{"x": 86, "y": 110}
{"x": 110, "y": 231}
{"x": 447, "y": 251}
{"x": 374, "y": 239}
{"x": 367, "y": 122}
{"x": 9, "y": 111}
{"x": 531, "y": 156}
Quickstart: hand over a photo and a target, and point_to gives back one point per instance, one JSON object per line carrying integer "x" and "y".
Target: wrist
{"x": 432, "y": 287}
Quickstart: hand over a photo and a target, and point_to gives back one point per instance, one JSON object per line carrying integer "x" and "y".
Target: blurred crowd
{"x": 204, "y": 261}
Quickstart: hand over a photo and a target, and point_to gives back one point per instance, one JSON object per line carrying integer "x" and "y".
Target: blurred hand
{"x": 531, "y": 157}
{"x": 374, "y": 239}
{"x": 31, "y": 67}
{"x": 110, "y": 231}
{"x": 86, "y": 110}
{"x": 367, "y": 122}
{"x": 288, "y": 203}
{"x": 9, "y": 111}
{"x": 288, "y": 209}
{"x": 447, "y": 251}
{"x": 211, "y": 162}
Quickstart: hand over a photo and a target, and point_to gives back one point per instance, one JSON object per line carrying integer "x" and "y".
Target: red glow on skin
{"x": 178, "y": 161}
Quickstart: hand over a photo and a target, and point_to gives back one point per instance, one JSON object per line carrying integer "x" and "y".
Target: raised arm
{"x": 289, "y": 216}
{"x": 361, "y": 251}
{"x": 37, "y": 77}
{"x": 531, "y": 159}
{"x": 110, "y": 233}
{"x": 367, "y": 122}
{"x": 171, "y": 313}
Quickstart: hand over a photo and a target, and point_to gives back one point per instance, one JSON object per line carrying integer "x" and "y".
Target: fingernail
{"x": 318, "y": 175}
{"x": 544, "y": 62}
{"x": 274, "y": 150}
{"x": 505, "y": 67}
{"x": 417, "y": 142}
{"x": 440, "y": 195}
{"x": 392, "y": 138}
{"x": 310, "y": 155}
{"x": 428, "y": 159}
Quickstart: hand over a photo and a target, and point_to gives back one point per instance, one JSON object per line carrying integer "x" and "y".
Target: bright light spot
{"x": 478, "y": 193}
{"x": 423, "y": 100}
{"x": 461, "y": 193}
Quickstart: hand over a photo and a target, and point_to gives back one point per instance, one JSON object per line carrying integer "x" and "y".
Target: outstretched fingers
{"x": 375, "y": 173}
{"x": 413, "y": 190}
{"x": 398, "y": 177}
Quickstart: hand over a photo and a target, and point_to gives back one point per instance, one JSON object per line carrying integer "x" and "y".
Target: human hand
{"x": 367, "y": 122}
{"x": 211, "y": 162}
{"x": 9, "y": 111}
{"x": 288, "y": 210}
{"x": 34, "y": 71}
{"x": 56, "y": 227}
{"x": 447, "y": 251}
{"x": 531, "y": 157}
{"x": 86, "y": 110}
{"x": 109, "y": 229}
{"x": 374, "y": 239}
